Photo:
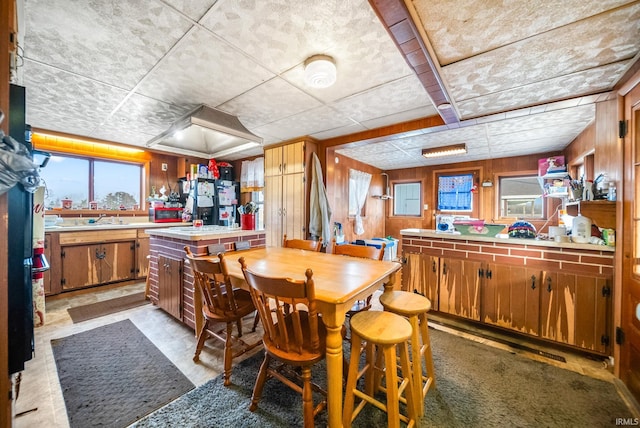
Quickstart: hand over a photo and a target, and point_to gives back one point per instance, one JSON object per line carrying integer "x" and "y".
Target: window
{"x": 406, "y": 199}
{"x": 521, "y": 197}
{"x": 455, "y": 192}
{"x": 112, "y": 184}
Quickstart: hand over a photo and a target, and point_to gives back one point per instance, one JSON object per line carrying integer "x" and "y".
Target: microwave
{"x": 165, "y": 215}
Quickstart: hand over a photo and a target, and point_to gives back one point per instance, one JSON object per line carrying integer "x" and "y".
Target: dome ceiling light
{"x": 320, "y": 71}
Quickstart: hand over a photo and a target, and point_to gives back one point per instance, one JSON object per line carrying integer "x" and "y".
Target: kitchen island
{"x": 558, "y": 292}
{"x": 170, "y": 278}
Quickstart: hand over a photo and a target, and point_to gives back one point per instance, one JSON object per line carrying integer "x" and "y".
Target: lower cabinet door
{"x": 420, "y": 275}
{"x": 170, "y": 285}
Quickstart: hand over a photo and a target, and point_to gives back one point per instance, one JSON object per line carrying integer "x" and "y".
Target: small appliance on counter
{"x": 162, "y": 214}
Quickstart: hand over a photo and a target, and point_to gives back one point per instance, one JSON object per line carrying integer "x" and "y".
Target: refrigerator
{"x": 20, "y": 257}
{"x": 227, "y": 202}
{"x": 215, "y": 202}
{"x": 201, "y": 200}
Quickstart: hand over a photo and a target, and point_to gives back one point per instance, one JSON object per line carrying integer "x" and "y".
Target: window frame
{"x": 514, "y": 174}
{"x": 420, "y": 202}
{"x": 476, "y": 211}
{"x": 144, "y": 166}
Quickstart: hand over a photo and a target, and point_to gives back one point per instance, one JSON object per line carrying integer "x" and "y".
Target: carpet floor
{"x": 477, "y": 386}
{"x": 113, "y": 375}
{"x": 106, "y": 307}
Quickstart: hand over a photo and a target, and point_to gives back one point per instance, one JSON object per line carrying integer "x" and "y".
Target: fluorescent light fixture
{"x": 320, "y": 71}
{"x": 455, "y": 149}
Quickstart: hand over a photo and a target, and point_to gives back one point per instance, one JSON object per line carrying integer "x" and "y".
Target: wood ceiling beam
{"x": 395, "y": 16}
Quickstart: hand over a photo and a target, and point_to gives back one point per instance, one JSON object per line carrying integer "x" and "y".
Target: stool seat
{"x": 382, "y": 328}
{"x": 404, "y": 303}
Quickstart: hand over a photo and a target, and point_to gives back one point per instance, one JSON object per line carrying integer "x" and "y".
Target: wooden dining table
{"x": 339, "y": 282}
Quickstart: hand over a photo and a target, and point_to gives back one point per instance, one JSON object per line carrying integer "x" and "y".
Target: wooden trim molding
{"x": 413, "y": 45}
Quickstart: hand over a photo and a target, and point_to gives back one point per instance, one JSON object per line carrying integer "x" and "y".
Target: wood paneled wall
{"x": 488, "y": 170}
{"x": 337, "y": 183}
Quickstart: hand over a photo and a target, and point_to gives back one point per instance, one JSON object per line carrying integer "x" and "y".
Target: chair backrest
{"x": 303, "y": 244}
{"x": 362, "y": 251}
{"x": 279, "y": 301}
{"x": 215, "y": 249}
{"x": 210, "y": 278}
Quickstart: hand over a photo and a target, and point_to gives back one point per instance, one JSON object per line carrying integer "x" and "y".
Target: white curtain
{"x": 359, "y": 182}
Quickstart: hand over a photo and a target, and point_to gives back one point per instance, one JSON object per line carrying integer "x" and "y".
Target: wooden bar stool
{"x": 383, "y": 332}
{"x": 415, "y": 307}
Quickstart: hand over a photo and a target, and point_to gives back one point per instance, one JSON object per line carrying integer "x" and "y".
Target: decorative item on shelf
{"x": 67, "y": 204}
{"x": 522, "y": 230}
{"x": 93, "y": 205}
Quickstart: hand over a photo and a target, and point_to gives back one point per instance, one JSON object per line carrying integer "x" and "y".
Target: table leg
{"x": 388, "y": 286}
{"x": 333, "y": 322}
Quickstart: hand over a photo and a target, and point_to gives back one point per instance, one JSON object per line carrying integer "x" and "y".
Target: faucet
{"x": 100, "y": 217}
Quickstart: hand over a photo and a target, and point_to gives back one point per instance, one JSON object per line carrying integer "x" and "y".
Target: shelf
{"x": 555, "y": 175}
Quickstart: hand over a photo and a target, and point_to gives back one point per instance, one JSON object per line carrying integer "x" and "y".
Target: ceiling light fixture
{"x": 320, "y": 71}
{"x": 455, "y": 149}
{"x": 444, "y": 106}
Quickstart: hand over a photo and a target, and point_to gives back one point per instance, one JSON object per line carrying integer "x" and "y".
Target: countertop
{"x": 108, "y": 226}
{"x": 430, "y": 233}
{"x": 190, "y": 233}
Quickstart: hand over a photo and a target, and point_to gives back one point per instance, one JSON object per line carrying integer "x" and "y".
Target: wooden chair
{"x": 293, "y": 337}
{"x": 302, "y": 244}
{"x": 220, "y": 304}
{"x": 365, "y": 252}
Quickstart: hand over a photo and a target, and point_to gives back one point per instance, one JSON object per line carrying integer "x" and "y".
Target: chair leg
{"x": 352, "y": 379}
{"x": 228, "y": 355}
{"x": 307, "y": 398}
{"x": 255, "y": 321}
{"x": 202, "y": 337}
{"x": 260, "y": 380}
{"x": 239, "y": 325}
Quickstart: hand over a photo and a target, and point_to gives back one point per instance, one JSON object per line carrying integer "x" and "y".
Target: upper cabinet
{"x": 286, "y": 191}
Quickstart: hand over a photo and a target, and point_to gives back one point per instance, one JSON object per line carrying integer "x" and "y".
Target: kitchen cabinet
{"x": 286, "y": 191}
{"x": 420, "y": 274}
{"x": 170, "y": 285}
{"x": 574, "y": 310}
{"x": 511, "y": 297}
{"x": 94, "y": 264}
{"x": 142, "y": 251}
{"x": 459, "y": 287}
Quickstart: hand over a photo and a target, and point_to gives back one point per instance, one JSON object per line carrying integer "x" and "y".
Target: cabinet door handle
{"x": 481, "y": 273}
{"x": 444, "y": 268}
{"x": 101, "y": 255}
{"x": 433, "y": 266}
{"x": 279, "y": 167}
{"x": 549, "y": 284}
{"x": 489, "y": 273}
{"x": 533, "y": 282}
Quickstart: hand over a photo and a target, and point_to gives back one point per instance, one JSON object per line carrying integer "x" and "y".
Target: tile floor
{"x": 41, "y": 400}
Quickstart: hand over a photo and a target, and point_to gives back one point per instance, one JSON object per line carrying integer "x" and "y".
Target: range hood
{"x": 208, "y": 133}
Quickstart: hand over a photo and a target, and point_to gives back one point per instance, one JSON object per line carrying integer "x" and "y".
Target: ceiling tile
{"x": 460, "y": 29}
{"x": 203, "y": 70}
{"x": 113, "y": 42}
{"x": 258, "y": 106}
{"x": 86, "y": 102}
{"x": 582, "y": 83}
{"x": 194, "y": 9}
{"x": 305, "y": 123}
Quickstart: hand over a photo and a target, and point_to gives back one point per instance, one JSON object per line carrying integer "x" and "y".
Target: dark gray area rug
{"x": 106, "y": 307}
{"x": 113, "y": 375}
{"x": 477, "y": 386}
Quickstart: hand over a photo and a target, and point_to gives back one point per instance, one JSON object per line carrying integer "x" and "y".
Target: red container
{"x": 247, "y": 221}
